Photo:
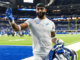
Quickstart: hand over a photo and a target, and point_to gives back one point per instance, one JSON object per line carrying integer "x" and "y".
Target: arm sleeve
{"x": 53, "y": 27}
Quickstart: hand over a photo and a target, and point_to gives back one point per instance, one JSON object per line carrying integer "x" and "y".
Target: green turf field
{"x": 26, "y": 40}
{"x": 78, "y": 52}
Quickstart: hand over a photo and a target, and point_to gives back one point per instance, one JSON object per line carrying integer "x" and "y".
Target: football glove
{"x": 9, "y": 14}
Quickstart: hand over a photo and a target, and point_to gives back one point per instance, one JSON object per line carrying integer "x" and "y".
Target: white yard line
{"x": 30, "y": 58}
{"x": 75, "y": 47}
{"x": 17, "y": 40}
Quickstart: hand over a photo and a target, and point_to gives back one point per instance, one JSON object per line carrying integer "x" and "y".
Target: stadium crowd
{"x": 63, "y": 26}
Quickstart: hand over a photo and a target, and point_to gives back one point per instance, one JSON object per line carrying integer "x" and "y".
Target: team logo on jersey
{"x": 37, "y": 22}
{"x": 47, "y": 24}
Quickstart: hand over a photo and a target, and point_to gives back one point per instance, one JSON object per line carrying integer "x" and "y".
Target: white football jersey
{"x": 41, "y": 34}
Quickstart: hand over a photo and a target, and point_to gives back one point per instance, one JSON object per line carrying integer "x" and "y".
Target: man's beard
{"x": 41, "y": 16}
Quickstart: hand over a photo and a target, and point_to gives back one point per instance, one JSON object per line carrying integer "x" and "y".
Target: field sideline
{"x": 27, "y": 41}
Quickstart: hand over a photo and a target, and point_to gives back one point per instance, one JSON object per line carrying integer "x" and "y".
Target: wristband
{"x": 53, "y": 38}
{"x": 19, "y": 27}
{"x": 12, "y": 22}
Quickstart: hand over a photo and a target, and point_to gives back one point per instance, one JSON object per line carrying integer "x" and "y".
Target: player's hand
{"x": 9, "y": 14}
{"x": 58, "y": 48}
{"x": 59, "y": 43}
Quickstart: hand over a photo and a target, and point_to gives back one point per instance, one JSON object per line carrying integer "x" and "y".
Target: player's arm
{"x": 55, "y": 40}
{"x": 12, "y": 22}
{"x": 53, "y": 35}
{"x": 19, "y": 27}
